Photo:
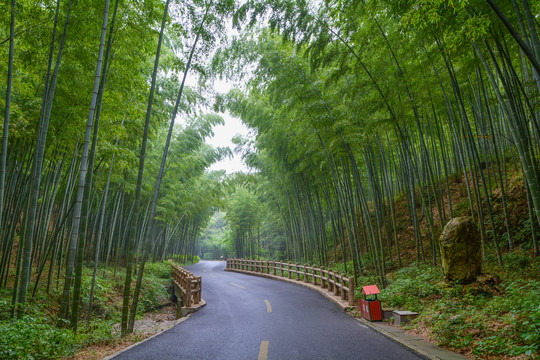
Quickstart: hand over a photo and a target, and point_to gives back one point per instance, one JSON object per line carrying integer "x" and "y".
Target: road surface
{"x": 249, "y": 317}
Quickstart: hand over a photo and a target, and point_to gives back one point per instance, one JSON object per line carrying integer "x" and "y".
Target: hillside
{"x": 496, "y": 317}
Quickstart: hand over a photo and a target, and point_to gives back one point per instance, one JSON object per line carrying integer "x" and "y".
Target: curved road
{"x": 249, "y": 317}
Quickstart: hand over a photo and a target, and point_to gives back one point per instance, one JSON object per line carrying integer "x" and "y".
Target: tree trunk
{"x": 39, "y": 154}
{"x": 133, "y": 230}
{"x": 74, "y": 239}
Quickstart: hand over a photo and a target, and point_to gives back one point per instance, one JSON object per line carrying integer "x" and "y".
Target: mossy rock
{"x": 461, "y": 250}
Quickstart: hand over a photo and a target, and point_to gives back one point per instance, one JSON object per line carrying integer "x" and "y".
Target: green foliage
{"x": 507, "y": 324}
{"x": 34, "y": 338}
{"x": 215, "y": 240}
{"x": 490, "y": 318}
{"x": 184, "y": 260}
{"x": 153, "y": 293}
{"x": 255, "y": 227}
{"x": 127, "y": 78}
{"x": 5, "y": 308}
{"x": 519, "y": 310}
{"x": 103, "y": 289}
{"x": 410, "y": 286}
{"x": 515, "y": 263}
{"x": 351, "y": 104}
{"x": 98, "y": 331}
{"x": 159, "y": 269}
{"x": 342, "y": 268}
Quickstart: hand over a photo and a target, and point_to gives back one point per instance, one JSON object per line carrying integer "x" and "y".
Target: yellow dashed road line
{"x": 212, "y": 275}
{"x": 263, "y": 351}
{"x": 268, "y": 306}
{"x": 241, "y": 287}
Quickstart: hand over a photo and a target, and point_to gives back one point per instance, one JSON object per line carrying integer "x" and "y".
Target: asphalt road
{"x": 249, "y": 317}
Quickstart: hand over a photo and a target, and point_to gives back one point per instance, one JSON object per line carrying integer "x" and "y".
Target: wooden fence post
{"x": 289, "y": 269}
{"x": 188, "y": 292}
{"x": 199, "y": 292}
{"x": 343, "y": 277}
{"x": 352, "y": 289}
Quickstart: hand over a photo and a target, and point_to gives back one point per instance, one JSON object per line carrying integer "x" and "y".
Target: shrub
{"x": 411, "y": 285}
{"x": 103, "y": 289}
{"x": 154, "y": 292}
{"x": 506, "y": 324}
{"x": 161, "y": 270}
{"x": 5, "y": 308}
{"x": 34, "y": 338}
{"x": 340, "y": 268}
{"x": 97, "y": 332}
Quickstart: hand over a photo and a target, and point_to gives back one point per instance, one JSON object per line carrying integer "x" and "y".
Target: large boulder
{"x": 461, "y": 250}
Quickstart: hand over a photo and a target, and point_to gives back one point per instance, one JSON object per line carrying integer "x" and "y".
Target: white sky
{"x": 223, "y": 135}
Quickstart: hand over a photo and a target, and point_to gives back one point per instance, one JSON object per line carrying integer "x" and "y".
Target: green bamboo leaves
{"x": 70, "y": 198}
{"x": 365, "y": 105}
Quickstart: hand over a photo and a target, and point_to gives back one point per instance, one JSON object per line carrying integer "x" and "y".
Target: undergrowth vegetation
{"x": 496, "y": 316}
{"x": 34, "y": 335}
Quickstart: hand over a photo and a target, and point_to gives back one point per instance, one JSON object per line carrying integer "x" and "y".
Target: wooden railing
{"x": 339, "y": 285}
{"x": 189, "y": 285}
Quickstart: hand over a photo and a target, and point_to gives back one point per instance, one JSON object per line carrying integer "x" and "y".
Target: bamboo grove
{"x": 70, "y": 192}
{"x": 361, "y": 111}
{"x": 357, "y": 106}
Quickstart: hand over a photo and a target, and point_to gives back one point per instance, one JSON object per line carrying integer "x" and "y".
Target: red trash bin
{"x": 369, "y": 305}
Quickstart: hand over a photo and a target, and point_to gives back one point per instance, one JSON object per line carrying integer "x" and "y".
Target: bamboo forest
{"x": 370, "y": 125}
